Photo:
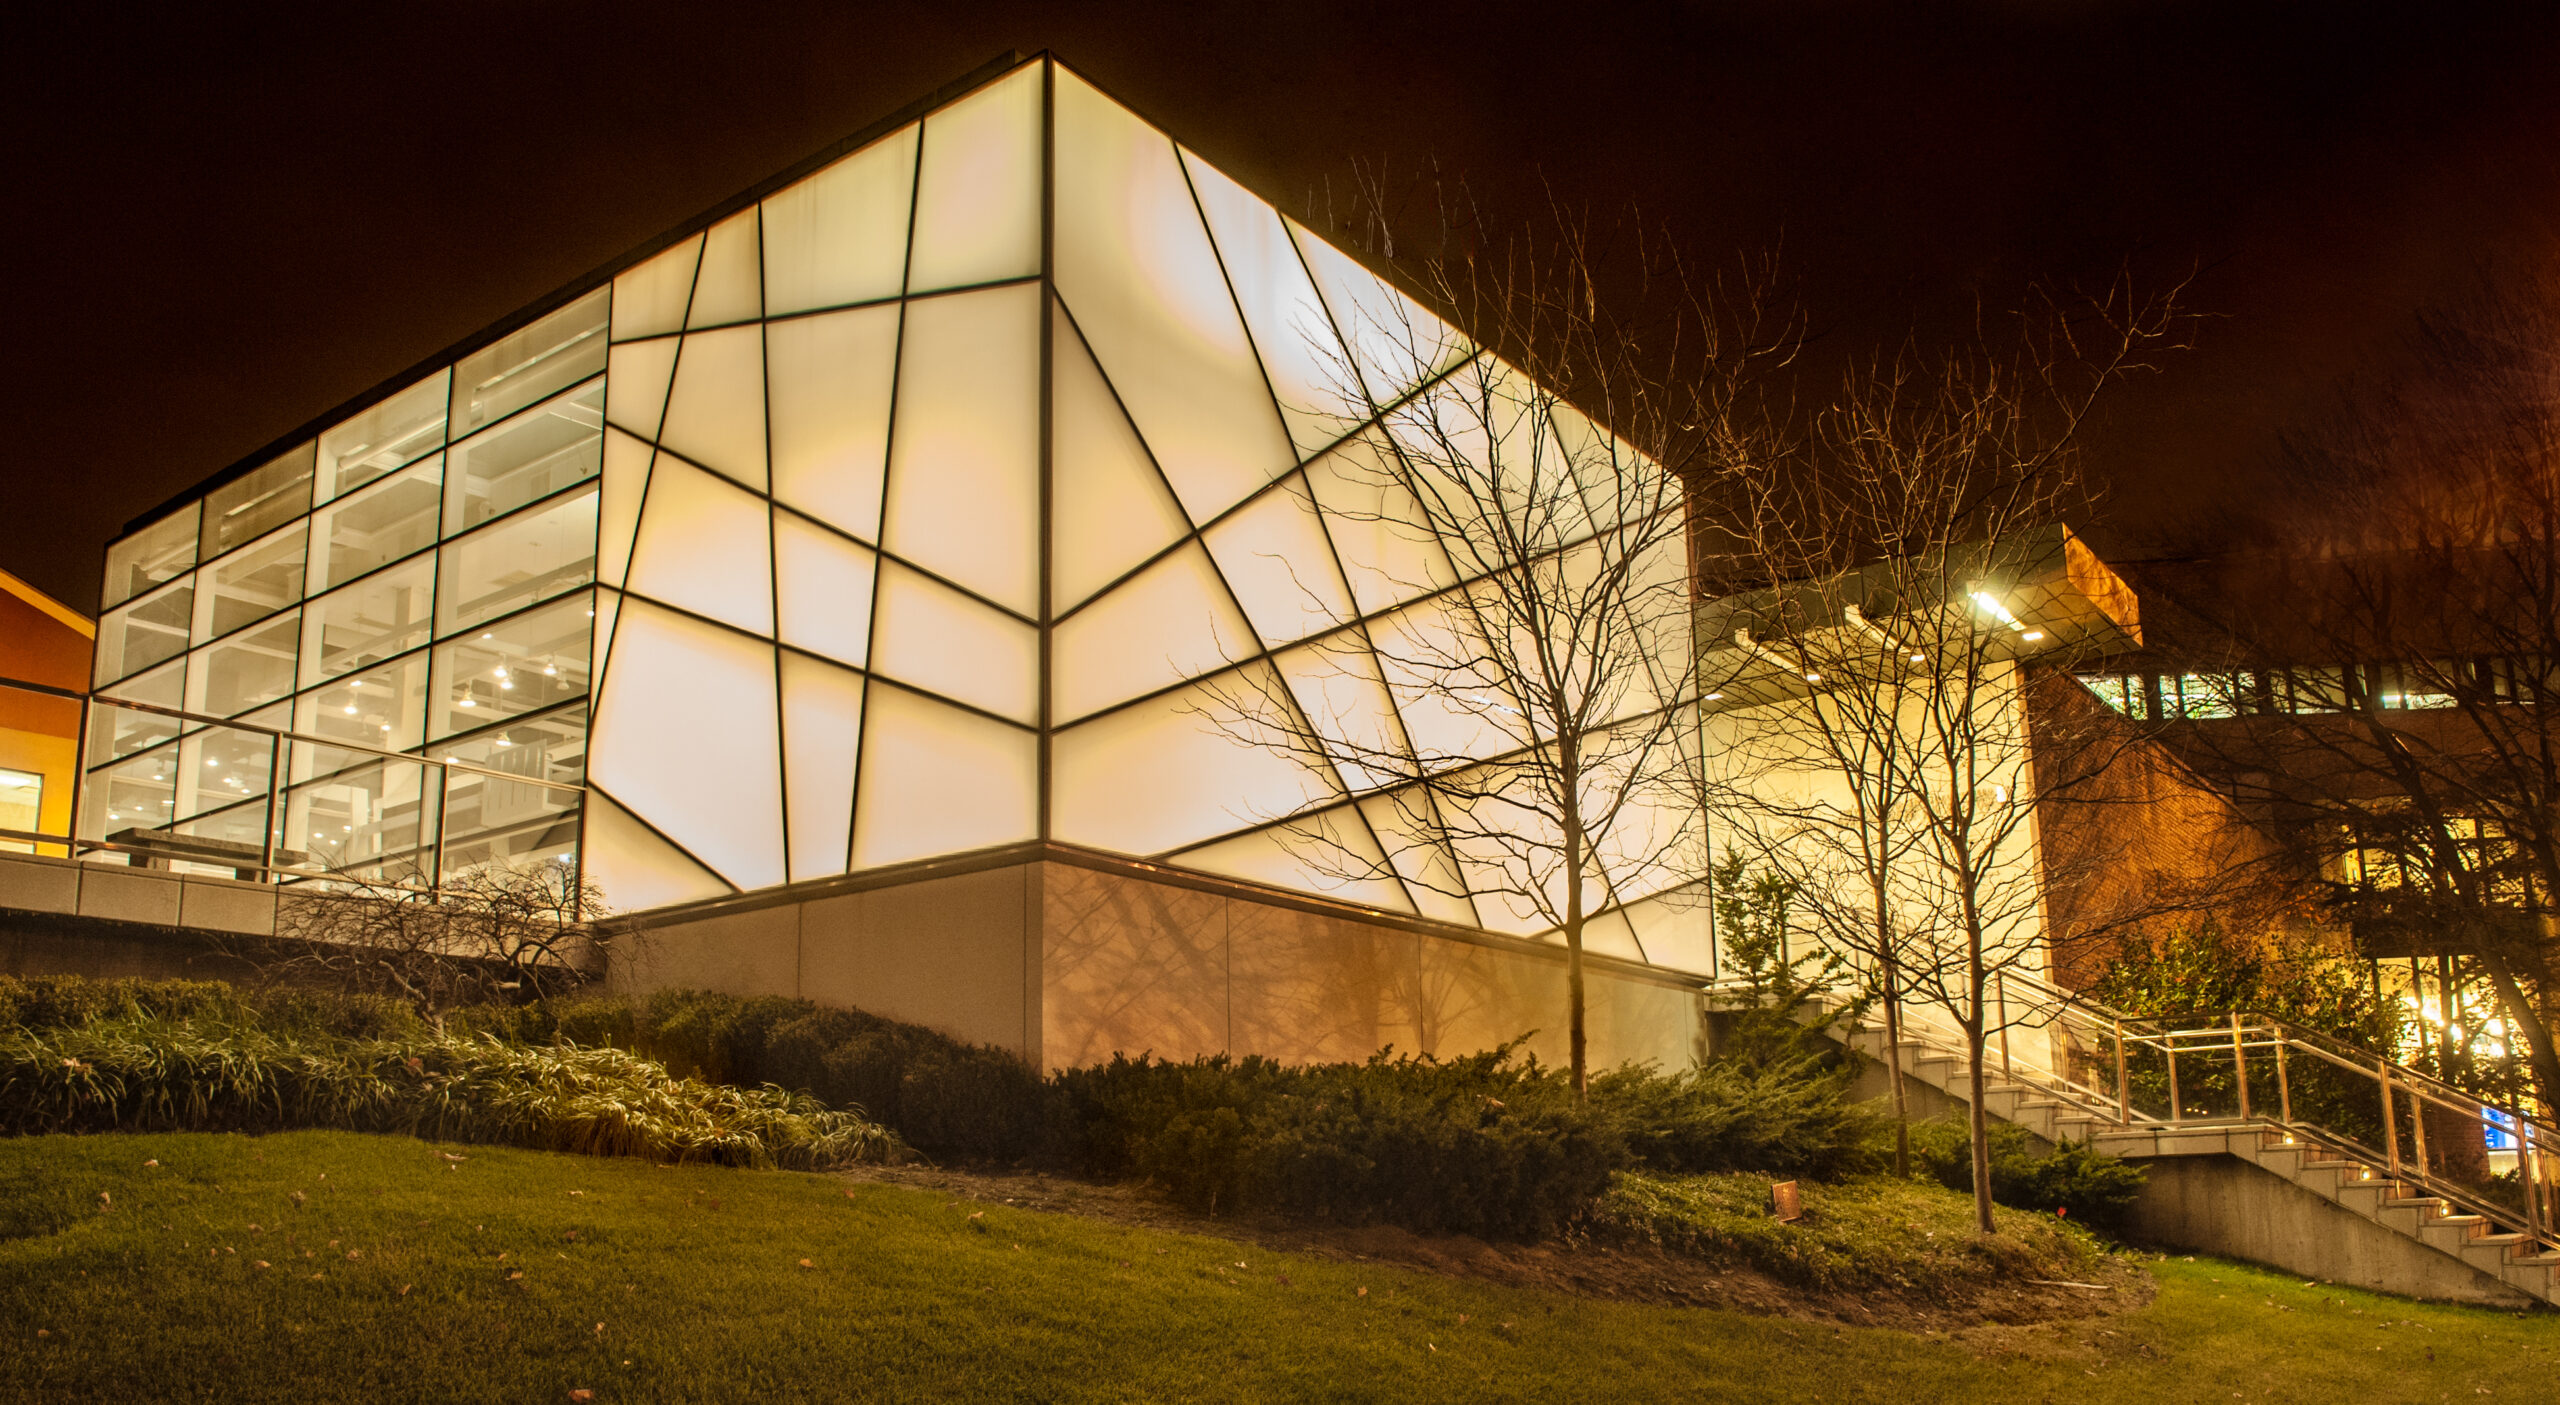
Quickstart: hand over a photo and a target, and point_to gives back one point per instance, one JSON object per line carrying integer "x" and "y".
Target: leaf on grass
{"x": 299, "y": 1197}
{"x": 259, "y": 1263}
{"x": 405, "y": 1287}
{"x": 804, "y": 1263}
{"x": 512, "y": 1277}
{"x": 154, "y": 1161}
{"x": 582, "y": 1394}
{"x": 1364, "y": 1292}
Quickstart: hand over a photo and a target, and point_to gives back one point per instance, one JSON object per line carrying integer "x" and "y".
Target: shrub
{"x": 127, "y": 1072}
{"x": 2084, "y": 1183}
{"x": 1487, "y": 1144}
{"x": 1795, "y": 1118}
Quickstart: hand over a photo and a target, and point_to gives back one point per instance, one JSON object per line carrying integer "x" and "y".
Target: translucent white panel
{"x": 685, "y": 736}
{"x": 830, "y": 378}
{"x": 384, "y": 614}
{"x": 607, "y": 609}
{"x": 821, "y": 738}
{"x": 252, "y": 583}
{"x": 1274, "y": 554}
{"x": 1339, "y": 691}
{"x": 1310, "y": 376}
{"x": 526, "y": 663}
{"x": 730, "y": 287}
{"x": 841, "y": 235}
{"x": 824, "y": 584}
{"x": 650, "y": 299}
{"x": 1395, "y": 344}
{"x": 1330, "y": 854}
{"x": 162, "y": 551}
{"x": 1387, "y": 557}
{"x": 1170, "y": 622}
{"x": 1498, "y": 879}
{"x": 940, "y": 640}
{"x": 1109, "y": 509}
{"x": 626, "y": 476}
{"x": 937, "y": 780}
{"x": 705, "y": 546}
{"x": 531, "y": 456}
{"x": 404, "y": 428}
{"x": 1164, "y": 773}
{"x": 636, "y": 385}
{"x": 633, "y": 868}
{"x": 964, "y": 465}
{"x": 551, "y": 355}
{"x": 1607, "y": 934}
{"x": 1675, "y": 931}
{"x": 382, "y": 524}
{"x": 715, "y": 414}
{"x": 1135, "y": 267}
{"x": 978, "y": 191}
{"x": 540, "y": 552}
{"x": 1452, "y": 705}
{"x": 1401, "y": 822}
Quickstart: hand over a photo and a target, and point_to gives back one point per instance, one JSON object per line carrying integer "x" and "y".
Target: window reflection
{"x": 529, "y": 457}
{"x": 145, "y": 632}
{"x": 406, "y": 427}
{"x": 557, "y": 352}
{"x": 248, "y": 669}
{"x": 521, "y": 664}
{"x": 269, "y": 496}
{"x": 376, "y": 527}
{"x": 252, "y": 584}
{"x": 162, "y": 551}
{"x": 377, "y": 617}
{"x": 516, "y": 561}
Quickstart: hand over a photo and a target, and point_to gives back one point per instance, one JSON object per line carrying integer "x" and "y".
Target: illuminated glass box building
{"x": 838, "y": 583}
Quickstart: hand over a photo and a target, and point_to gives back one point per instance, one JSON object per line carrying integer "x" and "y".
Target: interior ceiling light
{"x": 2034, "y": 634}
{"x": 1992, "y": 606}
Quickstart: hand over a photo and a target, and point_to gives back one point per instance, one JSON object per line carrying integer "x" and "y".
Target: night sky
{"x": 227, "y": 219}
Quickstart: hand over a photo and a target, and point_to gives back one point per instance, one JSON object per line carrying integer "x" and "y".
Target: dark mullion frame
{"x": 861, "y": 304}
{"x": 888, "y": 456}
{"x": 1048, "y": 428}
{"x": 772, "y": 558}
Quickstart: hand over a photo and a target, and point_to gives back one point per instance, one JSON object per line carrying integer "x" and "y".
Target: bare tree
{"x": 495, "y": 931}
{"x": 1887, "y": 581}
{"x": 1529, "y": 487}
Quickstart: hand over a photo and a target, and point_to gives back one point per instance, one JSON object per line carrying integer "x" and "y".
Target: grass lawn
{"x": 398, "y": 1274}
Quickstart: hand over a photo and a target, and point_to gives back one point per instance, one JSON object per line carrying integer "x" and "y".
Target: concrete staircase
{"x": 2256, "y": 1188}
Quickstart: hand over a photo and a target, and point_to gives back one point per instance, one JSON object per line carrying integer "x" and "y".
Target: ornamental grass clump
{"x": 134, "y": 1073}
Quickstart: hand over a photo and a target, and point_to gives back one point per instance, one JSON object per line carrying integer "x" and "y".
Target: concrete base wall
{"x": 1068, "y": 964}
{"x": 2222, "y": 1205}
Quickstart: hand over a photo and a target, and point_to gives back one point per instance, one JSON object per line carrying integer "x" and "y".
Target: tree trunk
{"x": 2522, "y": 1016}
{"x": 1893, "y": 1072}
{"x": 1573, "y": 963}
{"x": 1980, "y": 1122}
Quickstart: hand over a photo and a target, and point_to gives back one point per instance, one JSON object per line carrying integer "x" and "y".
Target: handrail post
{"x": 275, "y": 782}
{"x": 2531, "y": 1183}
{"x": 2418, "y": 1125}
{"x": 2240, "y": 1064}
{"x": 444, "y": 804}
{"x": 2169, "y": 1045}
{"x": 2284, "y": 1089}
{"x": 2390, "y": 1115}
{"x": 2000, "y": 992}
{"x": 2124, "y": 1094}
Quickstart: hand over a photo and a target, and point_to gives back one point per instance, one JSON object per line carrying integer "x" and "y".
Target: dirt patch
{"x": 1631, "y": 1272}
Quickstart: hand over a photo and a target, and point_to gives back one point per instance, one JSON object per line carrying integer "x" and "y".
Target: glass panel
{"x": 633, "y": 868}
{"x": 379, "y": 526}
{"x": 139, "y": 792}
{"x": 117, "y": 731}
{"x": 220, "y": 767}
{"x": 369, "y": 621}
{"x": 936, "y": 780}
{"x": 821, "y": 737}
{"x": 162, "y": 551}
{"x": 830, "y": 381}
{"x": 715, "y": 414}
{"x": 1395, "y": 344}
{"x": 636, "y": 388}
{"x": 1164, "y": 773}
{"x": 626, "y": 478}
{"x": 492, "y": 819}
{"x": 964, "y": 464}
{"x": 1109, "y": 507}
{"x": 373, "y": 820}
{"x": 841, "y": 235}
{"x": 1310, "y": 376}
{"x": 529, "y": 457}
{"x": 275, "y": 493}
{"x": 384, "y": 707}
{"x": 524, "y": 663}
{"x": 537, "y": 553}
{"x": 1171, "y": 621}
{"x": 938, "y": 639}
{"x": 251, "y": 584}
{"x": 650, "y": 299}
{"x": 245, "y": 670}
{"x": 548, "y": 357}
{"x": 824, "y": 584}
{"x": 730, "y": 286}
{"x": 1135, "y": 267}
{"x": 145, "y": 632}
{"x": 1386, "y": 555}
{"x": 685, "y": 736}
{"x": 1329, "y": 854}
{"x": 1275, "y": 555}
{"x": 978, "y": 192}
{"x": 407, "y": 427}
{"x": 705, "y": 546}
{"x": 551, "y": 747}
